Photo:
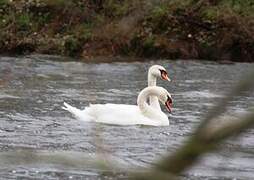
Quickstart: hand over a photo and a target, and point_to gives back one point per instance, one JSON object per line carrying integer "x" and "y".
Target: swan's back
{"x": 119, "y": 114}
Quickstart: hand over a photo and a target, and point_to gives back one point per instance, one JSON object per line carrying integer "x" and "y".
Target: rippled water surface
{"x": 34, "y": 88}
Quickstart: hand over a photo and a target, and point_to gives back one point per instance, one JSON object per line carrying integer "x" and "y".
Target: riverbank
{"x": 193, "y": 29}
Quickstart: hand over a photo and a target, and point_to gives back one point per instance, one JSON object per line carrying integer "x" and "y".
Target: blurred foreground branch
{"x": 205, "y": 138}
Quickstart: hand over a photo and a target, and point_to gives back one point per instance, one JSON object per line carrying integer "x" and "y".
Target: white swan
{"x": 154, "y": 72}
{"x": 121, "y": 114}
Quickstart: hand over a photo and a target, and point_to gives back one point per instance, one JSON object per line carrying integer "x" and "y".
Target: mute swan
{"x": 121, "y": 114}
{"x": 154, "y": 72}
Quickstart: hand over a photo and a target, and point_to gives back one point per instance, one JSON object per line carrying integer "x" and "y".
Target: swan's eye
{"x": 169, "y": 104}
{"x": 164, "y": 75}
{"x": 169, "y": 99}
{"x": 163, "y": 72}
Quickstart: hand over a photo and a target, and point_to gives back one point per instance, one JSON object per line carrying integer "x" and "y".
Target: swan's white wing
{"x": 119, "y": 114}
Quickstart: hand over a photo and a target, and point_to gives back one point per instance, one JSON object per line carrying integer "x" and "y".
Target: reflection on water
{"x": 34, "y": 88}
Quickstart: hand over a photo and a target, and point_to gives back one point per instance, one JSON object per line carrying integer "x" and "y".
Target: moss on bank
{"x": 200, "y": 29}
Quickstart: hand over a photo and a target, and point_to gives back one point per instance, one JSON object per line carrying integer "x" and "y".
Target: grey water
{"x": 33, "y": 89}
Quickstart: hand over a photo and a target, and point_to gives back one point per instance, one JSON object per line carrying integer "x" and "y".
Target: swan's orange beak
{"x": 164, "y": 75}
{"x": 169, "y": 104}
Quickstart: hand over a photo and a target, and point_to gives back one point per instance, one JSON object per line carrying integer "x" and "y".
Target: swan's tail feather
{"x": 79, "y": 114}
{"x": 71, "y": 109}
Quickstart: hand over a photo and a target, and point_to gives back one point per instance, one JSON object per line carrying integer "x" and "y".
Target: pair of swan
{"x": 142, "y": 113}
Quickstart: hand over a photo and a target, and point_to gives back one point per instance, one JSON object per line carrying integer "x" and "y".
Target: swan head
{"x": 166, "y": 98}
{"x": 159, "y": 71}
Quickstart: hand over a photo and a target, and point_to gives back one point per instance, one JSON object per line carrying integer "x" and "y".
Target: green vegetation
{"x": 201, "y": 29}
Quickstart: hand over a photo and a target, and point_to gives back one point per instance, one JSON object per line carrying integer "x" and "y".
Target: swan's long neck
{"x": 151, "y": 79}
{"x": 153, "y": 101}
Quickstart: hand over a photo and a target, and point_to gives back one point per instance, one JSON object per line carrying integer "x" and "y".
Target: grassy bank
{"x": 200, "y": 29}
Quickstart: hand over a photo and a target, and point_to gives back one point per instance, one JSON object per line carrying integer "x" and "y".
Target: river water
{"x": 34, "y": 88}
